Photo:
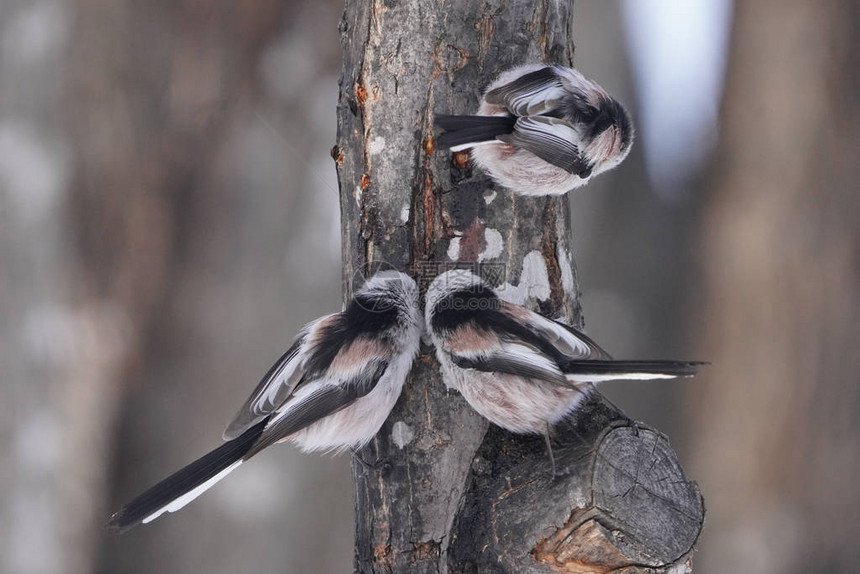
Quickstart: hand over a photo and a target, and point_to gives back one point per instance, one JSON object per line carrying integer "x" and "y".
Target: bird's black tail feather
{"x": 461, "y": 130}
{"x": 632, "y": 368}
{"x": 185, "y": 480}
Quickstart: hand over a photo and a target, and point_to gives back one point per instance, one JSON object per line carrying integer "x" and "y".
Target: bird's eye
{"x": 589, "y": 113}
{"x": 582, "y": 110}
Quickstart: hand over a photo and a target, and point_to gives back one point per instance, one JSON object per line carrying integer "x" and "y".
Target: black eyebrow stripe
{"x": 364, "y": 315}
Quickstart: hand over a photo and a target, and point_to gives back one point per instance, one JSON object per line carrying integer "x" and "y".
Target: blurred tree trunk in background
{"x": 775, "y": 435}
{"x": 198, "y": 123}
{"x": 151, "y": 162}
{"x": 60, "y": 352}
{"x": 634, "y": 248}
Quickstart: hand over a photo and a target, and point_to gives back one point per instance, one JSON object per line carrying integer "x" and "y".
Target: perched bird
{"x": 522, "y": 371}
{"x": 542, "y": 130}
{"x": 331, "y": 390}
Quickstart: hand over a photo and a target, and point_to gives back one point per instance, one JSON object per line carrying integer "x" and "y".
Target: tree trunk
{"x": 443, "y": 492}
{"x": 776, "y": 421}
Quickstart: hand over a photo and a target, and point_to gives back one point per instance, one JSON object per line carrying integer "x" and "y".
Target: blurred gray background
{"x": 169, "y": 220}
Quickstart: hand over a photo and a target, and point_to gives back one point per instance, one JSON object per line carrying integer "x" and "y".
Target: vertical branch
{"x": 438, "y": 494}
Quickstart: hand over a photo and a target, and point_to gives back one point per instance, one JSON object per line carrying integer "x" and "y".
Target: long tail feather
{"x": 186, "y": 484}
{"x": 598, "y": 371}
{"x": 460, "y": 130}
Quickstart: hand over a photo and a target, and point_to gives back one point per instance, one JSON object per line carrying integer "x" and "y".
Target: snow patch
{"x": 401, "y": 434}
{"x": 454, "y": 249}
{"x": 534, "y": 281}
{"x": 566, "y": 272}
{"x": 495, "y": 244}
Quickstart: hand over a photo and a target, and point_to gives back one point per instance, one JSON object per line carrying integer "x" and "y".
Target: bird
{"x": 542, "y": 130}
{"x": 520, "y": 370}
{"x": 330, "y": 391}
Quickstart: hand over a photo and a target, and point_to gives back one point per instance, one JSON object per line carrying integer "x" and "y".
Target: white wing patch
{"x": 469, "y": 145}
{"x": 511, "y": 357}
{"x": 550, "y": 139}
{"x": 565, "y": 339}
{"x": 550, "y": 126}
{"x": 561, "y": 338}
{"x": 279, "y": 387}
{"x": 270, "y": 394}
{"x": 527, "y": 90}
{"x": 526, "y": 354}
{"x": 306, "y": 393}
{"x": 536, "y": 101}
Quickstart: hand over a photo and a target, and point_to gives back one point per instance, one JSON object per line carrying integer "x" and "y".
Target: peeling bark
{"x": 442, "y": 492}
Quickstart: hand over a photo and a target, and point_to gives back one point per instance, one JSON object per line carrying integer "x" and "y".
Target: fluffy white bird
{"x": 331, "y": 390}
{"x": 542, "y": 130}
{"x": 522, "y": 371}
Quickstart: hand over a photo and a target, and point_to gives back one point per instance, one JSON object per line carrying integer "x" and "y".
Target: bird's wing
{"x": 273, "y": 389}
{"x": 566, "y": 342}
{"x": 552, "y": 140}
{"x": 584, "y": 361}
{"x": 330, "y": 348}
{"x": 509, "y": 357}
{"x": 534, "y": 93}
{"x": 353, "y": 373}
{"x": 481, "y": 332}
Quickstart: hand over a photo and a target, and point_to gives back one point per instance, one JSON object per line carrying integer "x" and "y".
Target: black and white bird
{"x": 542, "y": 130}
{"x": 520, "y": 370}
{"x": 331, "y": 391}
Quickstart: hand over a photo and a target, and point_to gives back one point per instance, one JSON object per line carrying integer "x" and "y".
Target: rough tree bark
{"x": 448, "y": 493}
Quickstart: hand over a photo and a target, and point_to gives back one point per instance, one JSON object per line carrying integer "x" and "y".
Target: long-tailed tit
{"x": 542, "y": 130}
{"x": 331, "y": 390}
{"x": 522, "y": 371}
